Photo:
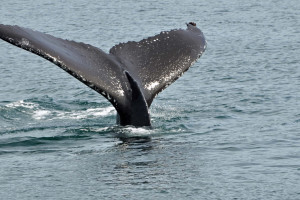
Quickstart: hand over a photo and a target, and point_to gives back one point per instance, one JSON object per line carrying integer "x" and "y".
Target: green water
{"x": 227, "y": 129}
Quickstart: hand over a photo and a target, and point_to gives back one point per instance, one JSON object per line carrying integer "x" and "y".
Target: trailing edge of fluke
{"x": 130, "y": 75}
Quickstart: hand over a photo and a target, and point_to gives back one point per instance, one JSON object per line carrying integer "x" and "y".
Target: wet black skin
{"x": 130, "y": 75}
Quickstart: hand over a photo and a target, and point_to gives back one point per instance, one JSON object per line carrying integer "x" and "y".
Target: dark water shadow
{"x": 135, "y": 140}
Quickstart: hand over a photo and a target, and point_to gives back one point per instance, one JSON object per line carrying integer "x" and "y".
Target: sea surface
{"x": 229, "y": 128}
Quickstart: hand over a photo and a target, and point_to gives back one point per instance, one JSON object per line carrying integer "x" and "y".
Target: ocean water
{"x": 229, "y": 128}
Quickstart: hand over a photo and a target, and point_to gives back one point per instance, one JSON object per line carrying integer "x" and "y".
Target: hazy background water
{"x": 228, "y": 129}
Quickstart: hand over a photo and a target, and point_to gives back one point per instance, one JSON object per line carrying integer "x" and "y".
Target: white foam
{"x": 40, "y": 114}
{"x": 89, "y": 113}
{"x": 133, "y": 131}
{"x": 21, "y": 103}
{"x": 99, "y": 129}
{"x": 36, "y": 112}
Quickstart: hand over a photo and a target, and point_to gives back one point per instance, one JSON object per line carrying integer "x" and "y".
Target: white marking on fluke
{"x": 151, "y": 86}
{"x": 24, "y": 42}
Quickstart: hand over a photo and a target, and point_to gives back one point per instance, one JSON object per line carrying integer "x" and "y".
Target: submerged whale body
{"x": 130, "y": 75}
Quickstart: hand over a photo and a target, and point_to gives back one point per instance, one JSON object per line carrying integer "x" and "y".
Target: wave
{"x": 38, "y": 112}
{"x": 44, "y": 122}
{"x": 82, "y": 114}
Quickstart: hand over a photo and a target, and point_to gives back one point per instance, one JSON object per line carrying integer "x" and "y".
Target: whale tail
{"x": 130, "y": 76}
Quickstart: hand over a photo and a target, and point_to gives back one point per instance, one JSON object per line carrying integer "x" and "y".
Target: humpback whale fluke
{"x": 130, "y": 75}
